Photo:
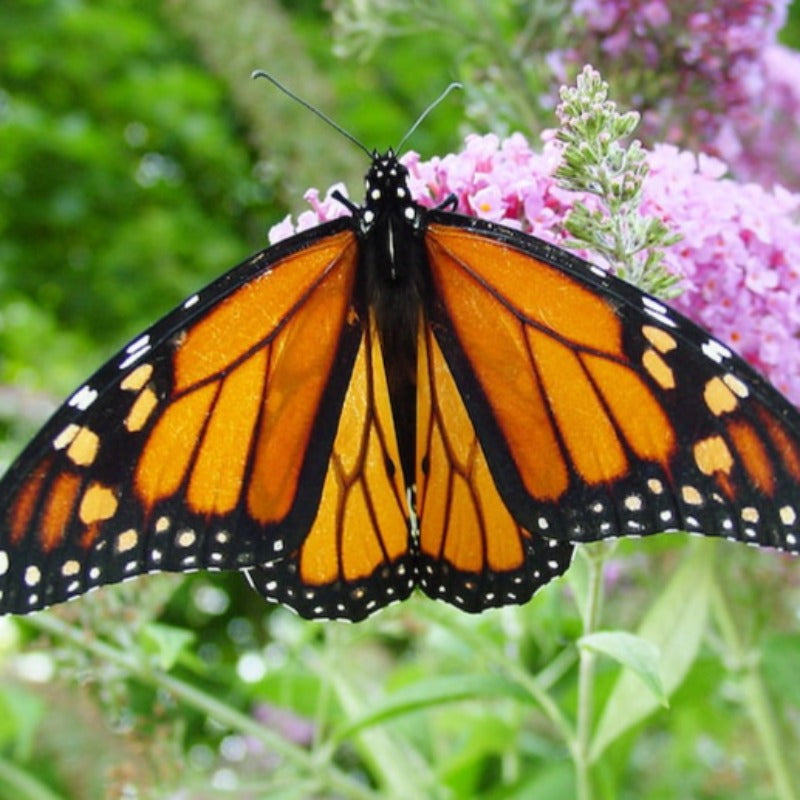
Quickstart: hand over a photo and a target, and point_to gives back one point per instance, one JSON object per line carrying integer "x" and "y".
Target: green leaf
{"x": 166, "y": 643}
{"x": 780, "y": 666}
{"x": 675, "y": 624}
{"x": 435, "y": 692}
{"x": 634, "y": 652}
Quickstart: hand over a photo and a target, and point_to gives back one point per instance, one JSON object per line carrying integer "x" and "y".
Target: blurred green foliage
{"x": 127, "y": 179}
{"x": 137, "y": 162}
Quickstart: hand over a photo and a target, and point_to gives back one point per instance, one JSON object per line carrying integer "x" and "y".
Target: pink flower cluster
{"x": 711, "y": 75}
{"x": 738, "y": 259}
{"x": 764, "y": 143}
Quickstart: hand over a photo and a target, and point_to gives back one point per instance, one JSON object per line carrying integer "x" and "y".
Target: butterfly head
{"x": 387, "y": 193}
{"x": 391, "y": 227}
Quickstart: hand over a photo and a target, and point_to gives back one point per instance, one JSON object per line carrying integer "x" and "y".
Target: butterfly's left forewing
{"x": 203, "y": 444}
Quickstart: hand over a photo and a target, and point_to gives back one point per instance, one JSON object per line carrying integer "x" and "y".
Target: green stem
{"x": 395, "y": 765}
{"x": 756, "y": 700}
{"x": 325, "y": 773}
{"x": 596, "y": 556}
{"x": 537, "y": 686}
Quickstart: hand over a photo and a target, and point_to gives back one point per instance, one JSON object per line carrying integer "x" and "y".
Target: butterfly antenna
{"x": 259, "y": 73}
{"x": 421, "y": 117}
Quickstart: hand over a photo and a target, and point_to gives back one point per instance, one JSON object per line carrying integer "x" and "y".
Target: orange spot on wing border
{"x": 753, "y": 455}
{"x": 786, "y": 447}
{"x": 58, "y": 509}
{"x": 24, "y": 505}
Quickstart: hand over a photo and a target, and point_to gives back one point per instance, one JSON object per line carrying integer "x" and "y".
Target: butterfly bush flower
{"x": 711, "y": 74}
{"x": 737, "y": 259}
{"x": 765, "y": 146}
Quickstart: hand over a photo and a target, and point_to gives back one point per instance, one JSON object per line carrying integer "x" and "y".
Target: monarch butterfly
{"x": 403, "y": 397}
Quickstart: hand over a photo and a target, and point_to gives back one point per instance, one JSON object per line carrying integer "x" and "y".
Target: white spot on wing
{"x": 653, "y": 304}
{"x": 715, "y": 350}
{"x": 186, "y": 538}
{"x": 633, "y": 502}
{"x": 142, "y": 343}
{"x": 135, "y": 350}
{"x": 70, "y": 568}
{"x": 132, "y": 359}
{"x": 162, "y": 525}
{"x": 83, "y": 398}
{"x": 66, "y": 436}
{"x": 658, "y": 311}
{"x": 662, "y": 318}
{"x": 738, "y": 387}
{"x": 33, "y": 575}
{"x": 750, "y": 514}
{"x": 189, "y": 302}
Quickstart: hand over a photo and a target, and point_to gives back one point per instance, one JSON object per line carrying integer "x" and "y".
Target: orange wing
{"x": 356, "y": 557}
{"x": 472, "y": 551}
{"x": 205, "y": 443}
{"x": 600, "y": 413}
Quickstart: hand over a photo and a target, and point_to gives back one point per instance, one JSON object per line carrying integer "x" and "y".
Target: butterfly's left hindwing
{"x": 203, "y": 444}
{"x": 357, "y": 556}
{"x": 601, "y": 412}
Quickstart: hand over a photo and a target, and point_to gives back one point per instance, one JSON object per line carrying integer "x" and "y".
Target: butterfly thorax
{"x": 393, "y": 268}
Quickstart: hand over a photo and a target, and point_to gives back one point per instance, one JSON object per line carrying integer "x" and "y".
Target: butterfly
{"x": 403, "y": 397}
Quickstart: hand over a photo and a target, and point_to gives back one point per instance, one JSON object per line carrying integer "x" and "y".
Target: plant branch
{"x": 326, "y": 774}
{"x": 756, "y": 699}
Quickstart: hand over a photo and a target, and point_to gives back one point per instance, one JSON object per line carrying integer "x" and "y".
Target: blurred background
{"x": 138, "y": 161}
